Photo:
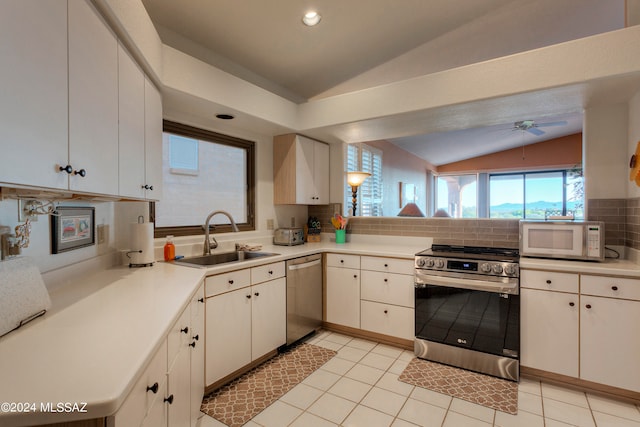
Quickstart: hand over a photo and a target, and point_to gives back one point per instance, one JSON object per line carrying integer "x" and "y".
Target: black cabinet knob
{"x": 153, "y": 388}
{"x": 386, "y": 265}
{"x": 257, "y": 294}
{"x": 80, "y": 172}
{"x": 200, "y": 299}
{"x": 588, "y": 305}
{"x": 248, "y": 296}
{"x": 169, "y": 399}
{"x": 341, "y": 261}
{"x": 614, "y": 288}
{"x": 571, "y": 304}
{"x": 386, "y": 280}
{"x": 231, "y": 281}
{"x": 355, "y": 276}
{"x": 185, "y": 330}
{"x": 193, "y": 344}
{"x": 67, "y": 169}
{"x": 548, "y": 282}
{"x": 386, "y": 311}
{"x": 270, "y": 272}
{"x": 147, "y": 187}
{"x": 197, "y": 337}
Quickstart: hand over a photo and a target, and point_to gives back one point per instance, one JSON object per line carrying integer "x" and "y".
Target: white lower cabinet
{"x": 169, "y": 388}
{"x": 388, "y": 319}
{"x": 244, "y": 324}
{"x": 343, "y": 296}
{"x": 609, "y": 347}
{"x": 591, "y": 335}
{"x": 549, "y": 331}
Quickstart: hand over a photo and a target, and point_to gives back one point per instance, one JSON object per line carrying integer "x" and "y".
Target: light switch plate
{"x": 101, "y": 233}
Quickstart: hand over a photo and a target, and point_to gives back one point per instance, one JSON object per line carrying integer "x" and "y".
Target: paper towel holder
{"x": 138, "y": 251}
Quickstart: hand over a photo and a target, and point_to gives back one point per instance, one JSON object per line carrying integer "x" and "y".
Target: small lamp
{"x": 355, "y": 179}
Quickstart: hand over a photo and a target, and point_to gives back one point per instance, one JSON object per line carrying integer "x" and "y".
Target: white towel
{"x": 23, "y": 295}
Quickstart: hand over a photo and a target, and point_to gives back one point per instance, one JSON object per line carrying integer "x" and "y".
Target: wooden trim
{"x": 218, "y": 138}
{"x": 232, "y": 376}
{"x": 367, "y": 335}
{"x": 581, "y": 385}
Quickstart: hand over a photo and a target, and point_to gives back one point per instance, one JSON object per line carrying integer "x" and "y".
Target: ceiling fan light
{"x": 311, "y": 18}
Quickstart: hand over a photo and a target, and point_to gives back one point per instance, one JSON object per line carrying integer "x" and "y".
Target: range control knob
{"x": 420, "y": 262}
{"x": 439, "y": 263}
{"x": 429, "y": 262}
{"x": 497, "y": 268}
{"x": 485, "y": 267}
{"x": 510, "y": 269}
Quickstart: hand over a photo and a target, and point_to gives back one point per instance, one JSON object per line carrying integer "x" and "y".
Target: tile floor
{"x": 359, "y": 387}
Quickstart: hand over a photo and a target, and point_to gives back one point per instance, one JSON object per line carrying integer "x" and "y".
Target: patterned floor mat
{"x": 237, "y": 402}
{"x": 484, "y": 390}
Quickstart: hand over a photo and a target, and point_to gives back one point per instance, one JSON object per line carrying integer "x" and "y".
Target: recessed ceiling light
{"x": 225, "y": 116}
{"x": 311, "y": 18}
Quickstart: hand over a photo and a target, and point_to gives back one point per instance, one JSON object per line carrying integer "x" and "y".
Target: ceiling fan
{"x": 532, "y": 127}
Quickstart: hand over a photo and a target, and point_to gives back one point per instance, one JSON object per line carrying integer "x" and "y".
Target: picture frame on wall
{"x": 72, "y": 228}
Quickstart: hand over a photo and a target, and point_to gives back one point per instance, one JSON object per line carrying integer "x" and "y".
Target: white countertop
{"x": 613, "y": 267}
{"x": 102, "y": 331}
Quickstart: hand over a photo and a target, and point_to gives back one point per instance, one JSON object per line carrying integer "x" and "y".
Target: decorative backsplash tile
{"x": 621, "y": 217}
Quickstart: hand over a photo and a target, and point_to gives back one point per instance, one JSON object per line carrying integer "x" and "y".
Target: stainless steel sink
{"x": 222, "y": 258}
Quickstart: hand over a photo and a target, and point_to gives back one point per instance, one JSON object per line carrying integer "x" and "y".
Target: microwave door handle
{"x": 476, "y": 285}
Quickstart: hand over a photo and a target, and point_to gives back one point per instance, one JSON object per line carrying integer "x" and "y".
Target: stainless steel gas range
{"x": 467, "y": 308}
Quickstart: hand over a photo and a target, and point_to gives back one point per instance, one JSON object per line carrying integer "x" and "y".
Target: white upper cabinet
{"x": 33, "y": 84}
{"x": 300, "y": 171}
{"x": 131, "y": 117}
{"x": 93, "y": 102}
{"x": 152, "y": 141}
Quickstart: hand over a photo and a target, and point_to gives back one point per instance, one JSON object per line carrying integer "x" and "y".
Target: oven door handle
{"x": 473, "y": 284}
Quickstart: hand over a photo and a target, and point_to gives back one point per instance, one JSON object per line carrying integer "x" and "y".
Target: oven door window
{"x": 477, "y": 320}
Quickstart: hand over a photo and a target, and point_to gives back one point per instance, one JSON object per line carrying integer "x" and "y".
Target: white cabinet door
{"x": 305, "y": 186}
{"x": 178, "y": 389}
{"x": 228, "y": 326}
{"x": 131, "y": 92}
{"x": 343, "y": 296}
{"x": 609, "y": 346}
{"x": 549, "y": 331}
{"x": 268, "y": 317}
{"x": 33, "y": 83}
{"x": 93, "y": 101}
{"x": 197, "y": 354}
{"x": 388, "y": 319}
{"x": 321, "y": 173}
{"x": 157, "y": 415}
{"x": 152, "y": 141}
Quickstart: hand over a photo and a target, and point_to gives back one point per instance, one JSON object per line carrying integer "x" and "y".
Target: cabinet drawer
{"x": 345, "y": 261}
{"x": 549, "y": 281}
{"x": 397, "y": 289}
{"x": 389, "y": 265}
{"x": 614, "y": 287}
{"x": 227, "y": 282}
{"x": 388, "y": 319}
{"x": 267, "y": 272}
{"x": 179, "y": 336}
{"x": 140, "y": 399}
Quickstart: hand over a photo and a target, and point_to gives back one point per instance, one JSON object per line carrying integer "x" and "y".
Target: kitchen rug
{"x": 237, "y": 402}
{"x": 494, "y": 393}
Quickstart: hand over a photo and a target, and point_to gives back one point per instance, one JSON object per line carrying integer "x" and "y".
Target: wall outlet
{"x": 101, "y": 233}
{"x": 269, "y": 224}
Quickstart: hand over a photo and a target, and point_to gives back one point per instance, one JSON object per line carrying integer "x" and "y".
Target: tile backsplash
{"x": 621, "y": 217}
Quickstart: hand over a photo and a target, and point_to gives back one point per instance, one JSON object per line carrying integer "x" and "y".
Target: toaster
{"x": 288, "y": 236}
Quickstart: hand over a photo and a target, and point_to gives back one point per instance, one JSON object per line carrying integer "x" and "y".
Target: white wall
{"x": 605, "y": 152}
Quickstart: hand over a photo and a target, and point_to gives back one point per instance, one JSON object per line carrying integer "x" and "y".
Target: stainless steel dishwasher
{"x": 304, "y": 296}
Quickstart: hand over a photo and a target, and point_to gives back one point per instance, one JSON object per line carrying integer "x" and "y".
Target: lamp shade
{"x": 355, "y": 179}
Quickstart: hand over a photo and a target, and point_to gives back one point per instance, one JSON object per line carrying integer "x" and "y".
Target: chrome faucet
{"x": 208, "y": 245}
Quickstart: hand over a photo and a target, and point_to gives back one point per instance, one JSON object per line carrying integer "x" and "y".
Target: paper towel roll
{"x": 141, "y": 240}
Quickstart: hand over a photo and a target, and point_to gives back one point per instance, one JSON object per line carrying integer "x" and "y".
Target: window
{"x": 457, "y": 195}
{"x": 203, "y": 171}
{"x": 364, "y": 158}
{"x": 536, "y": 195}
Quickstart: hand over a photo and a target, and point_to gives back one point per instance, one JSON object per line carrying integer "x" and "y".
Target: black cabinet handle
{"x": 571, "y": 304}
{"x": 257, "y": 294}
{"x": 147, "y": 187}
{"x": 614, "y": 288}
{"x": 67, "y": 169}
{"x": 548, "y": 282}
{"x": 169, "y": 399}
{"x": 231, "y": 281}
{"x": 80, "y": 172}
{"x": 193, "y": 344}
{"x": 200, "y": 299}
{"x": 248, "y": 296}
{"x": 197, "y": 337}
{"x": 270, "y": 272}
{"x": 588, "y": 305}
{"x": 153, "y": 388}
{"x": 185, "y": 330}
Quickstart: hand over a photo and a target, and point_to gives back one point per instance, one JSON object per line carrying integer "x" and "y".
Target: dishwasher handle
{"x": 304, "y": 265}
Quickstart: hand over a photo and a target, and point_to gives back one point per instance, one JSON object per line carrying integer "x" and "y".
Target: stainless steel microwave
{"x": 562, "y": 239}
